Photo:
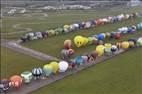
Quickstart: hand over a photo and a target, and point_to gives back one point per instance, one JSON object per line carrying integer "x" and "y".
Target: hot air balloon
{"x": 63, "y": 66}
{"x": 112, "y": 34}
{"x": 66, "y": 28}
{"x": 100, "y": 50}
{"x": 94, "y": 54}
{"x": 117, "y": 36}
{"x": 27, "y": 76}
{"x": 37, "y": 72}
{"x": 78, "y": 41}
{"x": 59, "y": 31}
{"x": 107, "y": 48}
{"x": 85, "y": 41}
{"x": 71, "y": 52}
{"x": 66, "y": 54}
{"x": 16, "y": 81}
{"x": 5, "y": 85}
{"x": 113, "y": 48}
{"x": 85, "y": 58}
{"x": 118, "y": 44}
{"x": 55, "y": 66}
{"x": 139, "y": 26}
{"x": 51, "y": 32}
{"x": 131, "y": 44}
{"x": 90, "y": 40}
{"x": 139, "y": 41}
{"x": 125, "y": 45}
{"x": 100, "y": 36}
{"x": 79, "y": 60}
{"x": 67, "y": 44}
{"x": 133, "y": 39}
{"x": 47, "y": 69}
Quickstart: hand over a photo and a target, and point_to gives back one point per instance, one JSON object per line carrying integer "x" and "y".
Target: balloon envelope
{"x": 125, "y": 44}
{"x": 78, "y": 41}
{"x": 67, "y": 44}
{"x": 113, "y": 48}
{"x": 55, "y": 66}
{"x": 48, "y": 69}
{"x": 27, "y": 76}
{"x": 100, "y": 36}
{"x": 78, "y": 60}
{"x": 107, "y": 47}
{"x": 63, "y": 66}
{"x": 16, "y": 81}
{"x": 100, "y": 50}
{"x": 139, "y": 41}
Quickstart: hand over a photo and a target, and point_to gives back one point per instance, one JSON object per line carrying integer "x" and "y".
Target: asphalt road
{"x": 27, "y": 51}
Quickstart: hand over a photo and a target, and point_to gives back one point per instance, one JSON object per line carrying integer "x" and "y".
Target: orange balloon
{"x": 125, "y": 45}
{"x": 16, "y": 81}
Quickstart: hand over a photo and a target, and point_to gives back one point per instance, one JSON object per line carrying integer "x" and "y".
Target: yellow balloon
{"x": 85, "y": 41}
{"x": 78, "y": 41}
{"x": 66, "y": 26}
{"x": 125, "y": 45}
{"x": 55, "y": 66}
{"x": 100, "y": 50}
{"x": 107, "y": 45}
{"x": 48, "y": 66}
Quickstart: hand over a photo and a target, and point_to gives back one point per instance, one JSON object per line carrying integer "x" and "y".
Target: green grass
{"x": 118, "y": 76}
{"x": 121, "y": 75}
{"x": 58, "y": 18}
{"x": 14, "y": 63}
{"x": 48, "y": 46}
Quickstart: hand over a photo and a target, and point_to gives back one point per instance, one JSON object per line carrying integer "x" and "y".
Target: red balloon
{"x": 117, "y": 36}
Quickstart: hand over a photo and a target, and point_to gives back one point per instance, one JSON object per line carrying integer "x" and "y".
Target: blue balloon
{"x": 139, "y": 26}
{"x": 100, "y": 37}
{"x": 130, "y": 30}
{"x": 78, "y": 60}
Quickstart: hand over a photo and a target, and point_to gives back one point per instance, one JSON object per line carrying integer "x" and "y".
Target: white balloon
{"x": 63, "y": 66}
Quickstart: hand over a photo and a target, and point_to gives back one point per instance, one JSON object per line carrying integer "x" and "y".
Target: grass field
{"x": 14, "y": 63}
{"x": 121, "y": 75}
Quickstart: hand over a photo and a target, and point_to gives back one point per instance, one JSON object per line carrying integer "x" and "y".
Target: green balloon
{"x": 90, "y": 40}
{"x": 139, "y": 42}
{"x": 59, "y": 30}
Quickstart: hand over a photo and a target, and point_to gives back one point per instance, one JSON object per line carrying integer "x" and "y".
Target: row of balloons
{"x": 62, "y": 66}
{"x": 80, "y": 41}
{"x": 77, "y": 26}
